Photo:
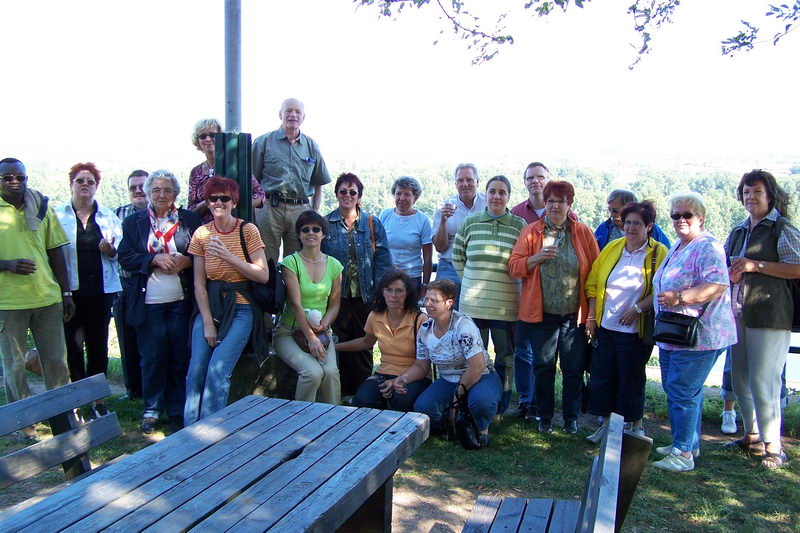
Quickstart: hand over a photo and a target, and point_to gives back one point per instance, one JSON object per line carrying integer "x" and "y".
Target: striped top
{"x": 480, "y": 256}
{"x": 216, "y": 268}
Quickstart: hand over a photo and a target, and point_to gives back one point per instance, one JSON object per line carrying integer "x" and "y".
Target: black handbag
{"x": 268, "y": 296}
{"x": 464, "y": 425}
{"x": 677, "y": 328}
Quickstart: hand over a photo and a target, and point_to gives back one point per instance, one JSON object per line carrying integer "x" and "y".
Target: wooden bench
{"x": 612, "y": 481}
{"x": 72, "y": 438}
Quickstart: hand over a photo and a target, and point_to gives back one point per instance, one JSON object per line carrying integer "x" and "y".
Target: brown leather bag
{"x": 302, "y": 343}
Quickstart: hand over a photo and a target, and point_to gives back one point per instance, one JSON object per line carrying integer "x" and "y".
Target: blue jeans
{"x": 523, "y": 364}
{"x": 368, "y": 394}
{"x": 164, "y": 350}
{"x": 558, "y": 336}
{"x": 683, "y": 373}
{"x": 482, "y": 400}
{"x": 502, "y": 334}
{"x": 209, "y": 379}
{"x": 446, "y": 270}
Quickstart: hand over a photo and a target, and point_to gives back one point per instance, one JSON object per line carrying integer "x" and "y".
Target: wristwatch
{"x": 638, "y": 309}
{"x": 760, "y": 266}
{"x": 66, "y": 293}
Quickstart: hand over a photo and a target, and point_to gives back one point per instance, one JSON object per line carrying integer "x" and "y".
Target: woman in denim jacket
{"x": 358, "y": 241}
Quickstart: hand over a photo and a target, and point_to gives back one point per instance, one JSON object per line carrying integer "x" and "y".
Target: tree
{"x": 648, "y": 16}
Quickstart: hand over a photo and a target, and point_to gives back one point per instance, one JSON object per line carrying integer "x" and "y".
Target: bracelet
{"x": 680, "y": 298}
{"x": 638, "y": 309}
{"x": 591, "y": 318}
{"x": 66, "y": 293}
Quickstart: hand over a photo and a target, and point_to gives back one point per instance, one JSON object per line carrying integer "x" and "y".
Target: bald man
{"x": 290, "y": 168}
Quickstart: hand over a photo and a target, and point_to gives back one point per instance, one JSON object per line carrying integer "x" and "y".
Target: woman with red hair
{"x": 227, "y": 318}
{"x": 94, "y": 232}
{"x": 553, "y": 257}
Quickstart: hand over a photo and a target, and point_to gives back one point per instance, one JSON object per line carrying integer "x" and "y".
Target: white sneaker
{"x": 667, "y": 450}
{"x": 597, "y": 436}
{"x": 675, "y": 462}
{"x": 728, "y": 422}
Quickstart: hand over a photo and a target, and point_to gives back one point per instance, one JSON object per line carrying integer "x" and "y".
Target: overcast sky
{"x": 123, "y": 82}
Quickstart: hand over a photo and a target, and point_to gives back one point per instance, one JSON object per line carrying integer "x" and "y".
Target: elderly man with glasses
{"x": 611, "y": 229}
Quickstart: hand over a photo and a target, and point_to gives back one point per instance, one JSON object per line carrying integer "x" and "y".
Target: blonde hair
{"x": 204, "y": 124}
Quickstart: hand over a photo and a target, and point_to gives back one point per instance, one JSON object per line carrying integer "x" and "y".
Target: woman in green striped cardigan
{"x": 489, "y": 295}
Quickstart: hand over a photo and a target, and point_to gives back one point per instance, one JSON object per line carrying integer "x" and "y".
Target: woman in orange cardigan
{"x": 553, "y": 257}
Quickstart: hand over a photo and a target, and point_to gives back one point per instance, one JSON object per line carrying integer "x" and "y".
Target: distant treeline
{"x": 592, "y": 188}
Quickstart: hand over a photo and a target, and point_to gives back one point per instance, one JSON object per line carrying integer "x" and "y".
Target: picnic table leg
{"x": 374, "y": 515}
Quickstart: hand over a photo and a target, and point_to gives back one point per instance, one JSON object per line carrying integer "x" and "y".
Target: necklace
{"x": 312, "y": 261}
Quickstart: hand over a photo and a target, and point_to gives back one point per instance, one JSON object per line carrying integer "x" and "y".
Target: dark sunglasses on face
{"x": 306, "y": 229}
{"x": 224, "y": 198}
{"x": 87, "y": 181}
{"x": 677, "y": 216}
{"x": 206, "y": 135}
{"x": 11, "y": 177}
{"x": 345, "y": 192}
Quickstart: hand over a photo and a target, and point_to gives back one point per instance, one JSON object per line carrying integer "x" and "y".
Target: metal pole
{"x": 233, "y": 65}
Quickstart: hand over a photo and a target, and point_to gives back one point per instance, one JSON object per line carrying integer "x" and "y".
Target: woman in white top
{"x": 409, "y": 232}
{"x": 452, "y": 342}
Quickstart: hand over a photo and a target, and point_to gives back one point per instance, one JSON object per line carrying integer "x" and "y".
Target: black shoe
{"x": 522, "y": 411}
{"x": 483, "y": 439}
{"x": 149, "y": 424}
{"x": 99, "y": 410}
{"x": 545, "y": 425}
{"x": 571, "y": 427}
{"x": 176, "y": 423}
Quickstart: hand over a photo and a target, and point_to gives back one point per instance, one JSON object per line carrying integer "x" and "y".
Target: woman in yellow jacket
{"x": 619, "y": 290}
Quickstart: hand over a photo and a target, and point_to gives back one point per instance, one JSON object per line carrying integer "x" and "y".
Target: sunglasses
{"x": 87, "y": 181}
{"x": 677, "y": 216}
{"x": 206, "y": 135}
{"x": 9, "y": 178}
{"x": 224, "y": 198}
{"x": 345, "y": 192}
{"x": 306, "y": 229}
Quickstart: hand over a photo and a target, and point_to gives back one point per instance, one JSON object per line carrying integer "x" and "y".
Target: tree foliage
{"x": 648, "y": 16}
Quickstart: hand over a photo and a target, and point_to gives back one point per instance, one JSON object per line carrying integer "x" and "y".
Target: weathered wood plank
{"x": 509, "y": 515}
{"x": 294, "y": 480}
{"x": 39, "y": 407}
{"x": 537, "y": 516}
{"x": 195, "y": 475}
{"x": 38, "y": 457}
{"x": 83, "y": 499}
{"x": 330, "y": 505}
{"x": 600, "y": 503}
{"x": 482, "y": 515}
{"x": 204, "y": 492}
{"x": 635, "y": 451}
{"x": 565, "y": 516}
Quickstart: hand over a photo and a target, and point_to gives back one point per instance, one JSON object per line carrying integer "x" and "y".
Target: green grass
{"x": 727, "y": 492}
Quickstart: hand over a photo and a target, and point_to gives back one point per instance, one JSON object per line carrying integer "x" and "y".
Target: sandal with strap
{"x": 753, "y": 448}
{"x": 774, "y": 460}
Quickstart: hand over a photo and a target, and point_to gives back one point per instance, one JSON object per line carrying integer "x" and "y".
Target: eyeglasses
{"x": 345, "y": 192}
{"x": 206, "y": 135}
{"x": 224, "y": 198}
{"x": 396, "y": 292}
{"x": 677, "y": 216}
{"x": 165, "y": 192}
{"x": 134, "y": 188}
{"x": 306, "y": 229}
{"x": 87, "y": 181}
{"x": 632, "y": 223}
{"x": 556, "y": 202}
{"x": 15, "y": 177}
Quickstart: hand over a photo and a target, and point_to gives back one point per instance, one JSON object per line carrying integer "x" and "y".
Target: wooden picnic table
{"x": 261, "y": 464}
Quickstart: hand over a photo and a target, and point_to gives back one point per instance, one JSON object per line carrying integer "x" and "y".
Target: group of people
{"x": 532, "y": 279}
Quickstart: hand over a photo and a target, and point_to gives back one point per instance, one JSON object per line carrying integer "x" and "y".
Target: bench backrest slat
{"x": 29, "y": 461}
{"x": 635, "y": 451}
{"x": 599, "y": 504}
{"x": 39, "y": 407}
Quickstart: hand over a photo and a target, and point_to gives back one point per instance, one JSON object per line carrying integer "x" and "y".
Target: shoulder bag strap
{"x": 242, "y": 243}
{"x": 372, "y": 238}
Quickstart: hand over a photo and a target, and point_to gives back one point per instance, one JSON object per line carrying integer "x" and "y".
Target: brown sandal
{"x": 753, "y": 448}
{"x": 774, "y": 460}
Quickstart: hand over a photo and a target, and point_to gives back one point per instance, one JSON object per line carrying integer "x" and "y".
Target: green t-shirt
{"x": 312, "y": 295}
{"x": 39, "y": 289}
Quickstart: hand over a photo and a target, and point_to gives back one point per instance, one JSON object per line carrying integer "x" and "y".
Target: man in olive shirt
{"x": 34, "y": 290}
{"x": 290, "y": 168}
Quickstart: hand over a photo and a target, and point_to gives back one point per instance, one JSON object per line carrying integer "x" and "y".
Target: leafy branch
{"x": 746, "y": 39}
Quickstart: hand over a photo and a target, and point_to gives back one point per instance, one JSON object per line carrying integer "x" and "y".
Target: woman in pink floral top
{"x": 203, "y": 138}
{"x": 693, "y": 275}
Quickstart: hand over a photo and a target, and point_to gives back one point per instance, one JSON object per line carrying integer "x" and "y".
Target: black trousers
{"x": 89, "y": 328}
{"x": 354, "y": 367}
{"x": 128, "y": 345}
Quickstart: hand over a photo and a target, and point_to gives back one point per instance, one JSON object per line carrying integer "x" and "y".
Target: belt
{"x": 279, "y": 198}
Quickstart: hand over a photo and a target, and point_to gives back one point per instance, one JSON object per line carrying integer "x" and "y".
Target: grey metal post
{"x": 233, "y": 65}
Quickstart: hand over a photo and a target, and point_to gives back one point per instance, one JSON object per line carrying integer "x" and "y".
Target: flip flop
{"x": 773, "y": 460}
{"x": 752, "y": 448}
